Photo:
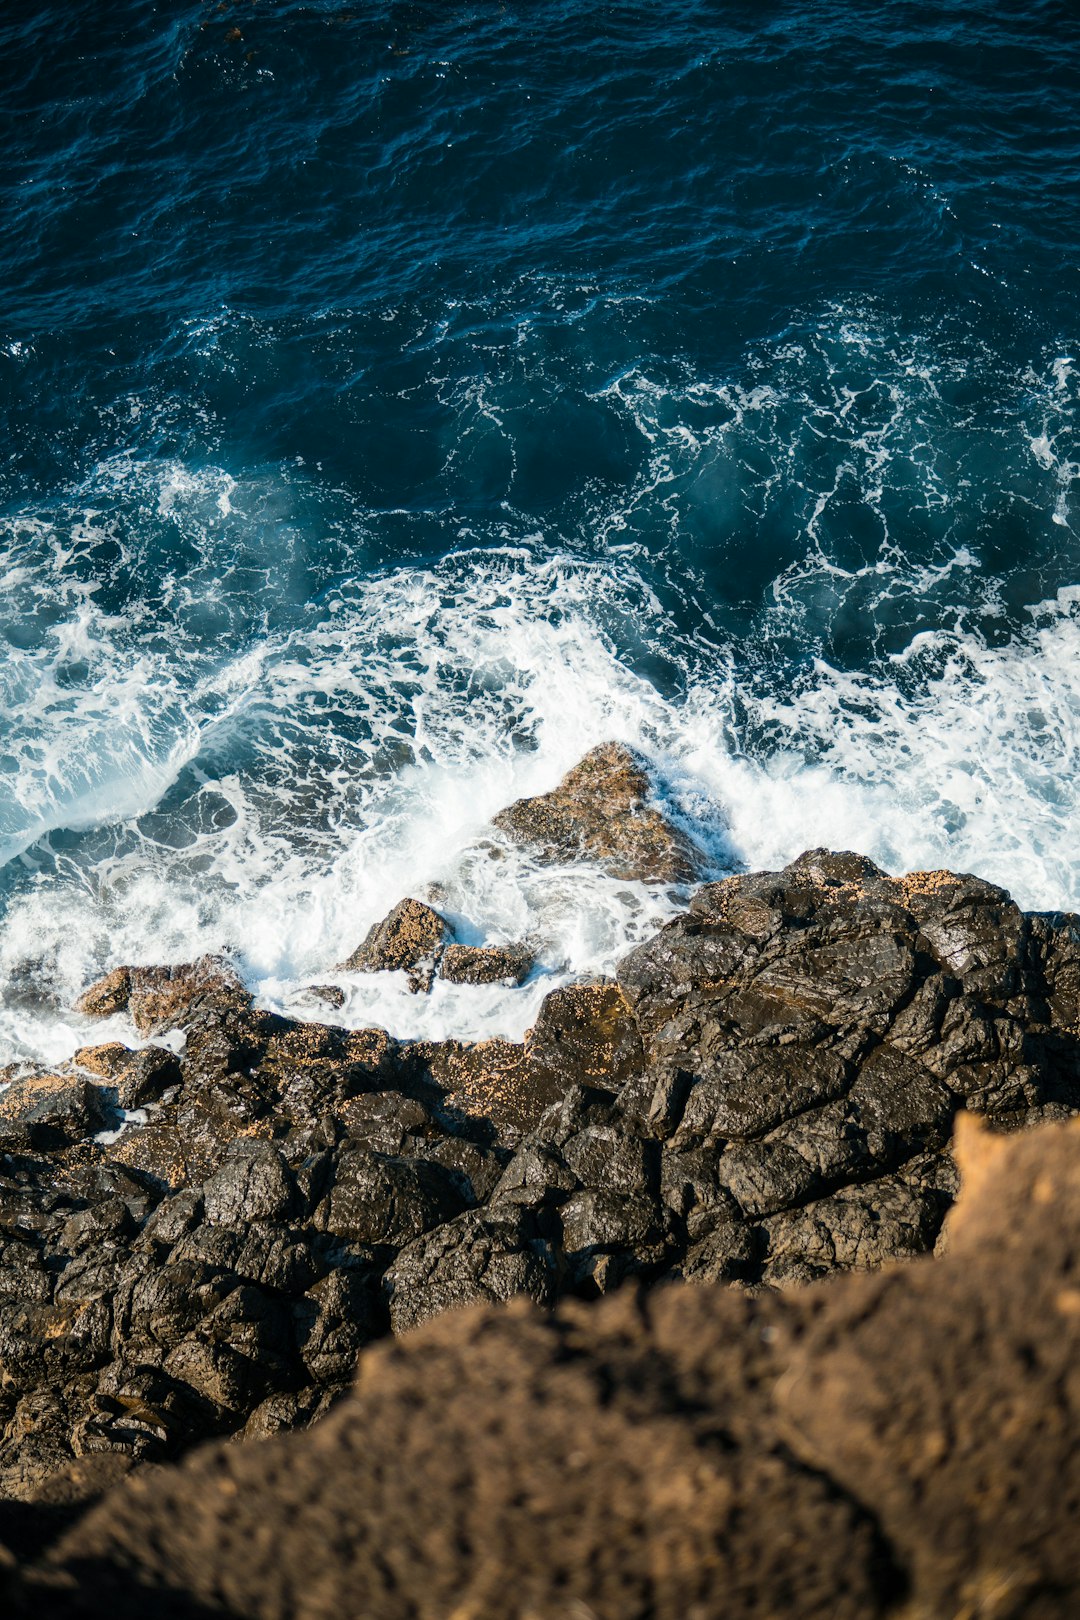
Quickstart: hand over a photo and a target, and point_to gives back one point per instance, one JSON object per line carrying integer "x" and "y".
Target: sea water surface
{"x": 399, "y": 400}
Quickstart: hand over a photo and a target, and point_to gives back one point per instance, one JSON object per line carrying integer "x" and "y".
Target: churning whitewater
{"x": 538, "y": 406}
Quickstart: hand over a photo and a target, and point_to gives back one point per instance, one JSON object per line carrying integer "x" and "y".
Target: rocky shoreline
{"x": 198, "y": 1245}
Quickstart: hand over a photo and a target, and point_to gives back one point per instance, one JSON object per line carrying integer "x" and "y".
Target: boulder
{"x": 159, "y": 998}
{"x": 485, "y": 964}
{"x": 42, "y": 1111}
{"x": 106, "y": 996}
{"x": 600, "y": 812}
{"x": 409, "y": 939}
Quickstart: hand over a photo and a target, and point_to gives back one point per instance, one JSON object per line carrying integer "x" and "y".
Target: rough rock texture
{"x": 904, "y": 1444}
{"x": 159, "y": 998}
{"x": 765, "y": 1096}
{"x": 410, "y": 939}
{"x": 600, "y": 812}
{"x": 484, "y": 964}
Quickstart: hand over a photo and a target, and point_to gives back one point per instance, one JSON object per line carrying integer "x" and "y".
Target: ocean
{"x": 399, "y": 400}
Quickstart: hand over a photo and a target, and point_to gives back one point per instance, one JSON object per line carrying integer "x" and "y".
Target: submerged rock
{"x": 884, "y": 1446}
{"x": 600, "y": 812}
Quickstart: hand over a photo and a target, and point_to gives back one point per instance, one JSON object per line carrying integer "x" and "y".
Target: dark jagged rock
{"x": 880, "y": 1447}
{"x": 600, "y": 812}
{"x": 43, "y": 1111}
{"x": 765, "y": 1096}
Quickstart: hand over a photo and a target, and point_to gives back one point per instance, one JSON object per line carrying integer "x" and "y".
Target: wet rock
{"x": 253, "y": 1183}
{"x": 159, "y": 998}
{"x": 106, "y": 996}
{"x": 44, "y": 1111}
{"x": 584, "y": 1035}
{"x": 381, "y": 1199}
{"x": 600, "y": 812}
{"x": 485, "y": 964}
{"x": 162, "y": 998}
{"x": 488, "y": 1080}
{"x": 764, "y": 1097}
{"x": 477, "y": 1257}
{"x": 409, "y": 939}
{"x": 326, "y": 995}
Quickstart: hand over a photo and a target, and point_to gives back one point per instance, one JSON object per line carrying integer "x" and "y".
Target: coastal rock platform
{"x": 201, "y": 1235}
{"x": 764, "y": 1095}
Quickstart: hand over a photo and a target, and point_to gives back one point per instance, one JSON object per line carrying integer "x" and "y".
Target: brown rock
{"x": 584, "y": 1035}
{"x": 946, "y": 1395}
{"x": 410, "y": 939}
{"x": 898, "y": 1445}
{"x": 599, "y": 812}
{"x": 106, "y": 996}
{"x": 46, "y": 1111}
{"x": 106, "y": 1061}
{"x": 485, "y": 964}
{"x": 488, "y": 1080}
{"x": 162, "y": 997}
{"x": 157, "y": 998}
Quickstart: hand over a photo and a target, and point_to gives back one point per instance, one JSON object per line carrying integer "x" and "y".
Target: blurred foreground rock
{"x": 902, "y": 1444}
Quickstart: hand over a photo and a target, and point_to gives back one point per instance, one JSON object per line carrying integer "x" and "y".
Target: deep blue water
{"x": 399, "y": 400}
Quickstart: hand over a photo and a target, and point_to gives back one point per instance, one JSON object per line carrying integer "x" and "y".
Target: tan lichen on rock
{"x": 600, "y": 812}
{"x": 104, "y": 1061}
{"x": 410, "y": 939}
{"x": 107, "y": 995}
{"x": 487, "y": 1080}
{"x": 485, "y": 964}
{"x": 931, "y": 882}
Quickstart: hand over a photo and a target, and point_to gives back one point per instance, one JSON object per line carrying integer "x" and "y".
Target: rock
{"x": 600, "y": 812}
{"x": 489, "y": 1080}
{"x": 764, "y": 1097}
{"x": 328, "y": 995}
{"x": 485, "y": 964}
{"x": 903, "y": 1443}
{"x": 106, "y": 996}
{"x": 162, "y": 998}
{"x": 409, "y": 939}
{"x": 381, "y": 1199}
{"x": 474, "y": 1257}
{"x": 44, "y": 1111}
{"x": 252, "y": 1183}
{"x": 584, "y": 1034}
{"x": 158, "y": 998}
{"x": 105, "y": 1062}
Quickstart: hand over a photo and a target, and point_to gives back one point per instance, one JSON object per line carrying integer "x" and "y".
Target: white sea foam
{"x": 190, "y": 775}
{"x": 494, "y": 678}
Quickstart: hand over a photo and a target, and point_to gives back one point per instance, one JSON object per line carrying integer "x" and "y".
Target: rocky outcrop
{"x": 409, "y": 939}
{"x": 415, "y": 939}
{"x": 600, "y": 812}
{"x": 159, "y": 998}
{"x": 485, "y": 964}
{"x": 904, "y": 1444}
{"x": 764, "y": 1096}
